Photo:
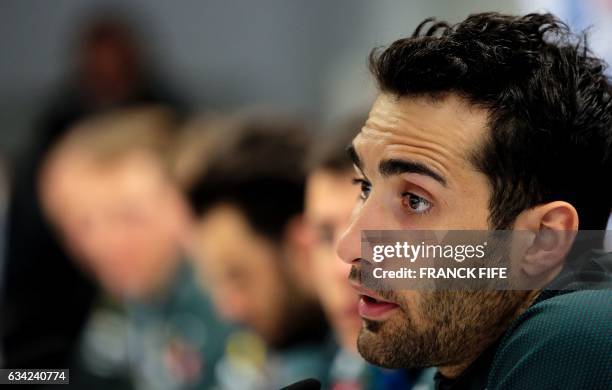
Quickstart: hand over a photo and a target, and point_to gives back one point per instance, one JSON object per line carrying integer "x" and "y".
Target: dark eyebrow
{"x": 352, "y": 153}
{"x": 397, "y": 167}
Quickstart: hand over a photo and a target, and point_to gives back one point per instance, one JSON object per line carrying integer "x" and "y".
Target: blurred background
{"x": 216, "y": 54}
{"x": 304, "y": 56}
{"x": 203, "y": 61}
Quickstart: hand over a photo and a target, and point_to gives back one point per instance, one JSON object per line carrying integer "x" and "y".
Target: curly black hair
{"x": 548, "y": 98}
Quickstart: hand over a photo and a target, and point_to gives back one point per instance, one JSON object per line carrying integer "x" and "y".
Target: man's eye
{"x": 416, "y": 204}
{"x": 365, "y": 188}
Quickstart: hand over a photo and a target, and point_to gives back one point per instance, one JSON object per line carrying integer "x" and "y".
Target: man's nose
{"x": 341, "y": 269}
{"x": 349, "y": 245}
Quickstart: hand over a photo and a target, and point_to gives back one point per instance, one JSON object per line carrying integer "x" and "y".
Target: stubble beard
{"x": 453, "y": 327}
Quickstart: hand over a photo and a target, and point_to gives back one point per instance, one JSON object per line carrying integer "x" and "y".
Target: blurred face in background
{"x": 253, "y": 280}
{"x": 330, "y": 198}
{"x": 110, "y": 63}
{"x": 122, "y": 218}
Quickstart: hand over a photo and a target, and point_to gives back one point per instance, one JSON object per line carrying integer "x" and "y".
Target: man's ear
{"x": 298, "y": 239}
{"x": 554, "y": 226}
{"x": 299, "y": 233}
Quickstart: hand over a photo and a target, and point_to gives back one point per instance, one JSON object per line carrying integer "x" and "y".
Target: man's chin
{"x": 390, "y": 344}
{"x": 371, "y": 326}
{"x": 371, "y": 344}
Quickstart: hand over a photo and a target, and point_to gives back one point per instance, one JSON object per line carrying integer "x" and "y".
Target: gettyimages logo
{"x": 484, "y": 259}
{"x": 412, "y": 252}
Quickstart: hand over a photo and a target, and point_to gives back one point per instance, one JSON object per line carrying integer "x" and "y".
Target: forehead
{"x": 227, "y": 238}
{"x": 75, "y": 184}
{"x": 224, "y": 222}
{"x": 441, "y": 134}
{"x": 80, "y": 173}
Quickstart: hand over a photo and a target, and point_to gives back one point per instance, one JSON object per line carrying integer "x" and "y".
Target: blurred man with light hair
{"x": 109, "y": 188}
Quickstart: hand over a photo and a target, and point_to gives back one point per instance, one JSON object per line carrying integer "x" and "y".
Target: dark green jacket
{"x": 562, "y": 341}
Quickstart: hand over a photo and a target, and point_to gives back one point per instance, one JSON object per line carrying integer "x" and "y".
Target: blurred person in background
{"x": 108, "y": 188}
{"x": 41, "y": 285}
{"x": 331, "y": 196}
{"x": 251, "y": 250}
{"x": 111, "y": 69}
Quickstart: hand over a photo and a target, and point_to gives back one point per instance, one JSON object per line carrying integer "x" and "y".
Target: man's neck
{"x": 455, "y": 370}
{"x": 160, "y": 291}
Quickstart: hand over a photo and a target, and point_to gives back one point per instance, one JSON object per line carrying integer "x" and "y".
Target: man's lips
{"x": 371, "y": 305}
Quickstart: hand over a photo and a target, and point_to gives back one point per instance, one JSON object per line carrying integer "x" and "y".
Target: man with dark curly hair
{"x": 495, "y": 123}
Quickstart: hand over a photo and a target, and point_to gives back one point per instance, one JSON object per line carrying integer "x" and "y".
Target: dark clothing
{"x": 562, "y": 341}
{"x": 46, "y": 299}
